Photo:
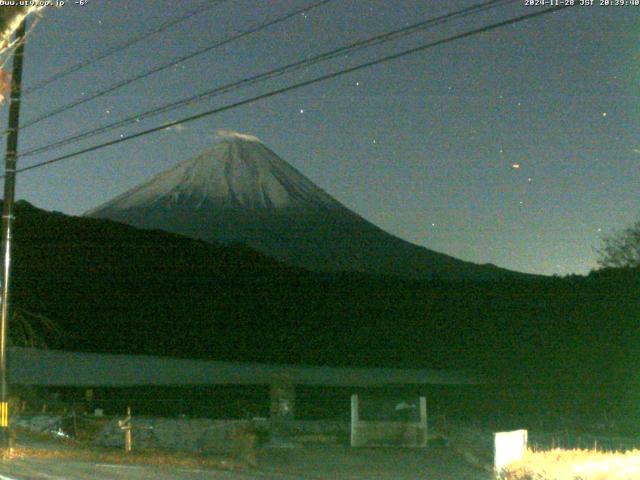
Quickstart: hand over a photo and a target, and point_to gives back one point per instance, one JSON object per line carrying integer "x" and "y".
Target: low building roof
{"x": 28, "y": 366}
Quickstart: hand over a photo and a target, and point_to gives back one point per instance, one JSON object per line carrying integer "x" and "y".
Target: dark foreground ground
{"x": 437, "y": 463}
{"x": 332, "y": 463}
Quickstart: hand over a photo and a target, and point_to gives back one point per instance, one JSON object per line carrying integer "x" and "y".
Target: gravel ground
{"x": 433, "y": 463}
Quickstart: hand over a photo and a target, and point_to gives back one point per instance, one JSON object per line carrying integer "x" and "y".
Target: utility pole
{"x": 7, "y": 220}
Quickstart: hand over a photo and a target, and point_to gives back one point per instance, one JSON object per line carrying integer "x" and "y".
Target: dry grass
{"x": 559, "y": 464}
{"x": 82, "y": 448}
{"x": 148, "y": 457}
{"x": 73, "y": 450}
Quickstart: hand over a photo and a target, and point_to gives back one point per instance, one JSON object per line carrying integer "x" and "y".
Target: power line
{"x": 353, "y": 47}
{"x": 172, "y": 63}
{"x": 123, "y": 46}
{"x": 298, "y": 85}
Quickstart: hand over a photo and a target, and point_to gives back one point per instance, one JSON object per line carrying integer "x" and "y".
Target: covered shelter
{"x": 53, "y": 368}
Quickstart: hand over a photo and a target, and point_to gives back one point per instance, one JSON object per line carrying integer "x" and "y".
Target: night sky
{"x": 519, "y": 147}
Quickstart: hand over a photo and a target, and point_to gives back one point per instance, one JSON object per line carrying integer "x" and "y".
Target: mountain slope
{"x": 241, "y": 191}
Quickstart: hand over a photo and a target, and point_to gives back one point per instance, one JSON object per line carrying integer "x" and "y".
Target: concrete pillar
{"x": 423, "y": 420}
{"x": 355, "y": 417}
{"x": 282, "y": 411}
{"x": 283, "y": 399}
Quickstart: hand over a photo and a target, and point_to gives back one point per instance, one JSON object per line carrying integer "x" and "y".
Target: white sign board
{"x": 508, "y": 447}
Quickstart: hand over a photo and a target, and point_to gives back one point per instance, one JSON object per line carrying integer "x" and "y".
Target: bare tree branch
{"x": 621, "y": 249}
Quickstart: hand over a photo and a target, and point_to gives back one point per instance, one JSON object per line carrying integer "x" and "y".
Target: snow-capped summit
{"x": 241, "y": 191}
{"x": 223, "y": 134}
{"x": 239, "y": 172}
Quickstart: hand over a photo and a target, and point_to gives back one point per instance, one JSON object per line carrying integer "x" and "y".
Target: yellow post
{"x": 127, "y": 440}
{"x": 4, "y": 414}
{"x": 127, "y": 432}
{"x": 125, "y": 426}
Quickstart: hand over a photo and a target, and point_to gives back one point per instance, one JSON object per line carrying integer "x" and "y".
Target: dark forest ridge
{"x": 113, "y": 288}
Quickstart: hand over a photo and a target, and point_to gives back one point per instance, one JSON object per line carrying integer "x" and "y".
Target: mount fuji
{"x": 242, "y": 192}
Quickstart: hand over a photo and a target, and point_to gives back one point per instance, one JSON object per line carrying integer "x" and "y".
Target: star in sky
{"x": 464, "y": 120}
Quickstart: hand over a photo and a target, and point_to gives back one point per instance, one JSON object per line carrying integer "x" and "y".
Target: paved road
{"x": 334, "y": 463}
{"x": 48, "y": 469}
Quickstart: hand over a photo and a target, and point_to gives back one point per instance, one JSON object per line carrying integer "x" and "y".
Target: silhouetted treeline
{"x": 113, "y": 288}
